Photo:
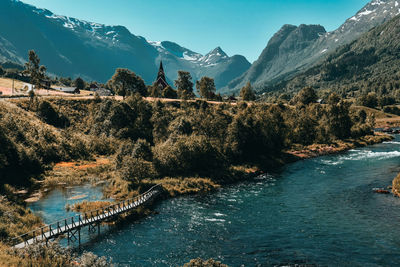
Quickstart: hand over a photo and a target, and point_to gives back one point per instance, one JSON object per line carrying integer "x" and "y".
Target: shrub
{"x": 185, "y": 155}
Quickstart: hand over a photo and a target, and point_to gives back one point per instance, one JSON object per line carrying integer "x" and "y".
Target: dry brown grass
{"x": 185, "y": 186}
{"x": 396, "y": 186}
{"x": 78, "y": 172}
{"x": 87, "y": 206}
{"x": 316, "y": 150}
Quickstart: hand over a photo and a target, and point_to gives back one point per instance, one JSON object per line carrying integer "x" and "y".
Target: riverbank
{"x": 396, "y": 186}
{"x": 317, "y": 150}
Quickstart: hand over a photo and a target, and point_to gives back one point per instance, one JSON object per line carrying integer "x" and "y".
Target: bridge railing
{"x": 98, "y": 215}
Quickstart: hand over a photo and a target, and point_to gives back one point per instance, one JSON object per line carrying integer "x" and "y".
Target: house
{"x": 102, "y": 91}
{"x": 69, "y": 90}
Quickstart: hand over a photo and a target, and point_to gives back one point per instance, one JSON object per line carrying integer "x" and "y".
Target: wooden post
{"x": 79, "y": 235}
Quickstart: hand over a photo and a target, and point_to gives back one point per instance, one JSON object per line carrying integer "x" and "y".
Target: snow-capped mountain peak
{"x": 211, "y": 59}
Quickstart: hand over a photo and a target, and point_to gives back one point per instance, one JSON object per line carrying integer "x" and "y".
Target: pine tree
{"x": 184, "y": 85}
{"x": 35, "y": 71}
{"x": 247, "y": 93}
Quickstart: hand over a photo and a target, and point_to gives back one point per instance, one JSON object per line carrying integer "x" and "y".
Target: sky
{"x": 241, "y": 27}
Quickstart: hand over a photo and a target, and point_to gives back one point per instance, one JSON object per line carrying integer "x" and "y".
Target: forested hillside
{"x": 369, "y": 64}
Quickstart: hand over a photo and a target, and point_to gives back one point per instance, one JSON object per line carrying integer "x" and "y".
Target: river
{"x": 320, "y": 211}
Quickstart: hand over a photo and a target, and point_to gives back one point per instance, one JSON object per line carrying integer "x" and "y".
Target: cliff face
{"x": 294, "y": 50}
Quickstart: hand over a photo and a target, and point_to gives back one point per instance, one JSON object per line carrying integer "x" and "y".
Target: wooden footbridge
{"x": 72, "y": 226}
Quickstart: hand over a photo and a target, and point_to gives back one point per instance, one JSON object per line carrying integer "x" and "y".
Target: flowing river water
{"x": 320, "y": 211}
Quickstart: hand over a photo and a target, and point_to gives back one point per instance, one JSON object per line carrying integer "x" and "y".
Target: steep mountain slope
{"x": 371, "y": 63}
{"x": 216, "y": 64}
{"x": 72, "y": 47}
{"x": 293, "y": 50}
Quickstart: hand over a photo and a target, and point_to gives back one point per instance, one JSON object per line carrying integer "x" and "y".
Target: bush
{"x": 48, "y": 114}
{"x": 187, "y": 155}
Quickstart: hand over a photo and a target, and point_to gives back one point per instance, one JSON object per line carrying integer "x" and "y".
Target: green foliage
{"x": 53, "y": 255}
{"x": 369, "y": 100}
{"x": 125, "y": 83}
{"x": 306, "y": 96}
{"x": 35, "y": 71}
{"x": 184, "y": 155}
{"x": 48, "y": 114}
{"x": 202, "y": 263}
{"x": 66, "y": 81}
{"x": 154, "y": 90}
{"x": 184, "y": 85}
{"x": 392, "y": 110}
{"x": 168, "y": 92}
{"x": 255, "y": 131}
{"x": 247, "y": 93}
{"x": 206, "y": 88}
{"x": 2, "y": 71}
{"x": 79, "y": 83}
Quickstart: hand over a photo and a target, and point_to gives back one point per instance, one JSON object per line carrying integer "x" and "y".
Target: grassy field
{"x": 382, "y": 119}
{"x": 6, "y": 85}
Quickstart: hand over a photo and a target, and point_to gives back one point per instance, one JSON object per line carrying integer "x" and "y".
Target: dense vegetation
{"x": 155, "y": 140}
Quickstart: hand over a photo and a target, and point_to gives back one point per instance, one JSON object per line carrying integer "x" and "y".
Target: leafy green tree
{"x": 306, "y": 96}
{"x": 184, "y": 85}
{"x": 247, "y": 93}
{"x": 168, "y": 92}
{"x": 34, "y": 70}
{"x": 79, "y": 83}
{"x": 125, "y": 82}
{"x": 206, "y": 87}
{"x": 154, "y": 90}
{"x": 66, "y": 81}
{"x": 370, "y": 100}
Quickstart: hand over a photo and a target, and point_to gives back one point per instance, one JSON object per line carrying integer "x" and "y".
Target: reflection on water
{"x": 320, "y": 211}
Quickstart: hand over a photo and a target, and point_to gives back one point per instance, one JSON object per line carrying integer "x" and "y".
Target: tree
{"x": 125, "y": 82}
{"x": 154, "y": 90}
{"x": 79, "y": 83}
{"x": 35, "y": 71}
{"x": 247, "y": 93}
{"x": 206, "y": 87}
{"x": 370, "y": 100}
{"x": 306, "y": 96}
{"x": 184, "y": 85}
{"x": 2, "y": 71}
{"x": 168, "y": 92}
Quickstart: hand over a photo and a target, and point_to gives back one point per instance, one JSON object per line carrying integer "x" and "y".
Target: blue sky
{"x": 237, "y": 26}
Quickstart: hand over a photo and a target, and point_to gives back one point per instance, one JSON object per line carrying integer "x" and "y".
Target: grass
{"x": 88, "y": 206}
{"x": 78, "y": 172}
{"x": 185, "y": 186}
{"x": 8, "y": 83}
{"x": 315, "y": 150}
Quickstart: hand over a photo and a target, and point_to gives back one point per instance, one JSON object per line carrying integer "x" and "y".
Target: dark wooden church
{"x": 161, "y": 80}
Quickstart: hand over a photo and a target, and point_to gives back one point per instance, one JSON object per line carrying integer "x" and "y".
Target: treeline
{"x": 155, "y": 140}
{"x": 367, "y": 65}
{"x": 124, "y": 82}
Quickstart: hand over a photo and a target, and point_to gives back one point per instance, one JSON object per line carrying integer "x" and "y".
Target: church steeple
{"x": 161, "y": 80}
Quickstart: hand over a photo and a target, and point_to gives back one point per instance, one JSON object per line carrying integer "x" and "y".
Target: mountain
{"x": 295, "y": 49}
{"x": 216, "y": 64}
{"x": 371, "y": 63}
{"x": 72, "y": 47}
